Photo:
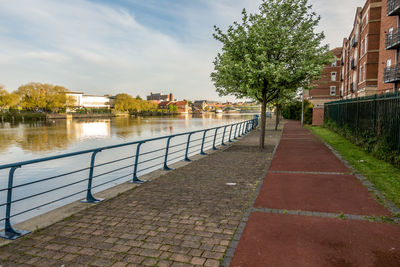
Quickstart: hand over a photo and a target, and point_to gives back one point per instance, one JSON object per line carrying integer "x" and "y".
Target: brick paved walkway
{"x": 311, "y": 211}
{"x": 185, "y": 218}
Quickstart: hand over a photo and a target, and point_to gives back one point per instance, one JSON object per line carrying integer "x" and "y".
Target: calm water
{"x": 27, "y": 141}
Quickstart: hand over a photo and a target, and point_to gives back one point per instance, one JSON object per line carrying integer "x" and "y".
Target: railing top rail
{"x": 66, "y": 155}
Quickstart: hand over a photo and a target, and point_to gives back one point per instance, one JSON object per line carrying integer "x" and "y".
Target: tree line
{"x": 53, "y": 98}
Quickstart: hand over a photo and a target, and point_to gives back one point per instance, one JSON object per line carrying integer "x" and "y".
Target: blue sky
{"x": 133, "y": 46}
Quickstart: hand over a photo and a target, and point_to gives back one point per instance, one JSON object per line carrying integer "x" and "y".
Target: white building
{"x": 89, "y": 101}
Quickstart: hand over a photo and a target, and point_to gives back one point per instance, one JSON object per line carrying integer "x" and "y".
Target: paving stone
{"x": 174, "y": 218}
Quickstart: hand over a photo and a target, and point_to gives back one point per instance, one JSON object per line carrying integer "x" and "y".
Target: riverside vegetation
{"x": 33, "y": 101}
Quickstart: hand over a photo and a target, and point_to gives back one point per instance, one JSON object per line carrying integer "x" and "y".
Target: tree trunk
{"x": 277, "y": 110}
{"x": 263, "y": 119}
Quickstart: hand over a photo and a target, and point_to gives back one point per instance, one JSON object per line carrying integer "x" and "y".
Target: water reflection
{"x": 21, "y": 141}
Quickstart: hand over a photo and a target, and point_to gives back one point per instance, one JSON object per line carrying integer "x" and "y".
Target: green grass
{"x": 384, "y": 176}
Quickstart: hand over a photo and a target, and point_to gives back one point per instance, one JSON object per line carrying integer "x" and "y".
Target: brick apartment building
{"x": 369, "y": 57}
{"x": 388, "y": 75}
{"x": 360, "y": 59}
{"x": 326, "y": 88}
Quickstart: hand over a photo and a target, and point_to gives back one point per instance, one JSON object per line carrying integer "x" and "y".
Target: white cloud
{"x": 102, "y": 49}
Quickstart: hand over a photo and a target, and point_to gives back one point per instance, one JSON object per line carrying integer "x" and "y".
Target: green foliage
{"x": 267, "y": 52}
{"x": 125, "y": 102}
{"x": 384, "y": 176}
{"x": 173, "y": 108}
{"x": 379, "y": 146}
{"x": 8, "y": 100}
{"x": 42, "y": 96}
{"x": 292, "y": 111}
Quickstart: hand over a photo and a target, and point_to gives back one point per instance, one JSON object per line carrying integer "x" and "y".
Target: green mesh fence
{"x": 377, "y": 115}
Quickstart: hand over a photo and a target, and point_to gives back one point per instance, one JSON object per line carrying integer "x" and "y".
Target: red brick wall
{"x": 384, "y": 55}
{"x": 318, "y": 116}
{"x": 321, "y": 87}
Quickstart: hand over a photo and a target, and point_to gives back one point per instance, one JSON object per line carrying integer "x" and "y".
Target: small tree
{"x": 268, "y": 52}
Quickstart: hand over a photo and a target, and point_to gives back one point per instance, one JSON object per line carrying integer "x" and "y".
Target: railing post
{"x": 202, "y": 143}
{"x": 230, "y": 134}
{"x": 215, "y": 139}
{"x": 234, "y": 136}
{"x": 89, "y": 196}
{"x": 9, "y": 231}
{"x": 240, "y": 129}
{"x": 187, "y": 149}
{"x": 166, "y": 168}
{"x": 223, "y": 137}
{"x": 135, "y": 179}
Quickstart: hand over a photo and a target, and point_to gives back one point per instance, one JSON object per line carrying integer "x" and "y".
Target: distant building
{"x": 204, "y": 104}
{"x": 164, "y": 104}
{"x": 182, "y": 106}
{"x": 326, "y": 88}
{"x": 158, "y": 97}
{"x": 89, "y": 101}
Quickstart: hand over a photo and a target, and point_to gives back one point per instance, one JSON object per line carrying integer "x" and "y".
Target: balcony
{"x": 352, "y": 87}
{"x": 391, "y": 74}
{"x": 354, "y": 41}
{"x": 393, "y": 8}
{"x": 353, "y": 64}
{"x": 392, "y": 40}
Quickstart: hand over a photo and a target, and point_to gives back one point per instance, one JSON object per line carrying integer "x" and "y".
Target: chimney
{"x": 171, "y": 97}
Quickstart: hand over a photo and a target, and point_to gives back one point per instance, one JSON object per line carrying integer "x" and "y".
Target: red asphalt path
{"x": 296, "y": 240}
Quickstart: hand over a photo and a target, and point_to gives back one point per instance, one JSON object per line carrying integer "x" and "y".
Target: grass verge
{"x": 384, "y": 176}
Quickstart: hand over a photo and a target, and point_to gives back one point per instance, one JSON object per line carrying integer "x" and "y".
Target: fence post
{"x": 375, "y": 119}
{"x": 89, "y": 196}
{"x": 230, "y": 134}
{"x": 202, "y": 143}
{"x": 223, "y": 137}
{"x": 166, "y": 168}
{"x": 187, "y": 149}
{"x": 9, "y": 232}
{"x": 215, "y": 139}
{"x": 240, "y": 129}
{"x": 135, "y": 179}
{"x": 234, "y": 135}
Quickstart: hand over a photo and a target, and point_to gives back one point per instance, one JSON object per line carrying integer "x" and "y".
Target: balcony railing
{"x": 393, "y": 8}
{"x": 391, "y": 74}
{"x": 352, "y": 87}
{"x": 392, "y": 40}
{"x": 161, "y": 152}
{"x": 354, "y": 41}
{"x": 353, "y": 64}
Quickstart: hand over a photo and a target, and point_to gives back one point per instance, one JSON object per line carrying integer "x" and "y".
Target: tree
{"x": 8, "y": 100}
{"x": 43, "y": 96}
{"x": 123, "y": 102}
{"x": 268, "y": 52}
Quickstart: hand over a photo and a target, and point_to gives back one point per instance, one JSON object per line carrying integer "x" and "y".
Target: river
{"x": 26, "y": 141}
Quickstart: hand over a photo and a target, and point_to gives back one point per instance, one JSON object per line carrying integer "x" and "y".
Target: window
{"x": 362, "y": 47}
{"x": 364, "y": 72}
{"x": 389, "y": 63}
{"x": 334, "y": 64}
{"x": 360, "y": 74}
{"x": 333, "y": 90}
{"x": 333, "y": 76}
{"x": 365, "y": 44}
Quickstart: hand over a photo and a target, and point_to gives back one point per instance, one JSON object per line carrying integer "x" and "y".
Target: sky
{"x": 130, "y": 46}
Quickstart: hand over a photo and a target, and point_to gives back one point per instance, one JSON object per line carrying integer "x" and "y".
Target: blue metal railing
{"x": 204, "y": 142}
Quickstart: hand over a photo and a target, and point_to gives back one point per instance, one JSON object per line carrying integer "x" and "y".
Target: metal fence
{"x": 377, "y": 115}
{"x": 170, "y": 149}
